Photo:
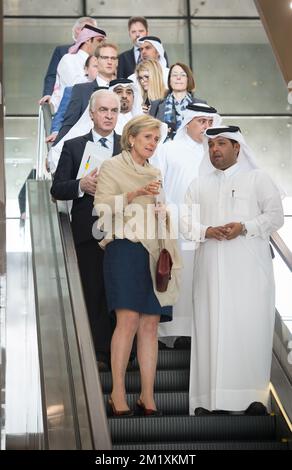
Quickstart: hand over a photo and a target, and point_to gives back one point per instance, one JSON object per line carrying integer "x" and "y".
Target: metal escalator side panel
{"x": 70, "y": 421}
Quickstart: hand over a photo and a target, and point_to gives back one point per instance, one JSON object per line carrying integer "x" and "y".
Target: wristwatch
{"x": 243, "y": 230}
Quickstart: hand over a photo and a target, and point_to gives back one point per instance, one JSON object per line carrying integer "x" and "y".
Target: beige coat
{"x": 136, "y": 221}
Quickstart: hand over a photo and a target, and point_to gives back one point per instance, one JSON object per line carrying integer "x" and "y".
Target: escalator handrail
{"x": 44, "y": 126}
{"x": 94, "y": 394}
{"x": 282, "y": 249}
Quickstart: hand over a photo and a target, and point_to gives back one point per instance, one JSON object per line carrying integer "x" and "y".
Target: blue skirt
{"x": 128, "y": 282}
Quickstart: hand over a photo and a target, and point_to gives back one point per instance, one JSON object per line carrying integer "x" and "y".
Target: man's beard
{"x": 124, "y": 107}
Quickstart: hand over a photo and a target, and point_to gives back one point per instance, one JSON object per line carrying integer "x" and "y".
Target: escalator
{"x": 176, "y": 429}
{"x": 72, "y": 414}
{"x": 74, "y": 395}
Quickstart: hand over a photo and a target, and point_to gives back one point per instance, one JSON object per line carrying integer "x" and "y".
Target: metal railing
{"x": 81, "y": 400}
{"x": 72, "y": 400}
{"x": 44, "y": 125}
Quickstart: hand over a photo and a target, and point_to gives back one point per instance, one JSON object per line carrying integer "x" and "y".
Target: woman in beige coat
{"x": 125, "y": 202}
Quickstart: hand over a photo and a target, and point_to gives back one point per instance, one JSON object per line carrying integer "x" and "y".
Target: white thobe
{"x": 234, "y": 297}
{"x": 179, "y": 162}
{"x": 122, "y": 121}
{"x": 70, "y": 71}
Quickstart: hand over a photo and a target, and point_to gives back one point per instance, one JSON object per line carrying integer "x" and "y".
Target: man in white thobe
{"x": 151, "y": 48}
{"x": 70, "y": 69}
{"x": 179, "y": 161}
{"x": 234, "y": 300}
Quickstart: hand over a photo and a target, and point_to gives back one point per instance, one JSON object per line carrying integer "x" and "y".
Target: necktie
{"x": 103, "y": 142}
{"x": 139, "y": 57}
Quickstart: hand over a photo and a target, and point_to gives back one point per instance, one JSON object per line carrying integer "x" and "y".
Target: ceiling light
{"x": 291, "y": 5}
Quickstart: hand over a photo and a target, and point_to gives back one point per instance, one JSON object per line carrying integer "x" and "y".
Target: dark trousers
{"x": 90, "y": 261}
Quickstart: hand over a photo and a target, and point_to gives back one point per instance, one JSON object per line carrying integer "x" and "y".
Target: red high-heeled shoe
{"x": 147, "y": 411}
{"x": 119, "y": 412}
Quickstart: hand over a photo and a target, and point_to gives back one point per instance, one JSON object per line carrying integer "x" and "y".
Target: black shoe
{"x": 119, "y": 413}
{"x": 202, "y": 412}
{"x": 146, "y": 411}
{"x": 256, "y": 409}
{"x": 162, "y": 346}
{"x": 182, "y": 342}
{"x": 220, "y": 412}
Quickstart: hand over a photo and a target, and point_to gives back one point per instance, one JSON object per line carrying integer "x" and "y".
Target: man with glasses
{"x": 107, "y": 57}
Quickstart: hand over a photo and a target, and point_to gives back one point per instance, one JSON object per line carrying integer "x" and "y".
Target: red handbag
{"x": 163, "y": 270}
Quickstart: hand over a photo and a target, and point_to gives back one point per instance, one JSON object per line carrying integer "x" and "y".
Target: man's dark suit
{"x": 81, "y": 93}
{"x": 127, "y": 63}
{"x": 89, "y": 254}
{"x": 50, "y": 78}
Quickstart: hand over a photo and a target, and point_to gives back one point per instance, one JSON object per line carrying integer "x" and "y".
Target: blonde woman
{"x": 130, "y": 260}
{"x": 150, "y": 82}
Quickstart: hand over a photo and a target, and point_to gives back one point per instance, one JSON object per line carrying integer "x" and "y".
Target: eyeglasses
{"x": 143, "y": 77}
{"x": 107, "y": 57}
{"x": 178, "y": 74}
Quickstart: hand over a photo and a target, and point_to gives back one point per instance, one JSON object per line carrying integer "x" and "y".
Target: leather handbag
{"x": 163, "y": 270}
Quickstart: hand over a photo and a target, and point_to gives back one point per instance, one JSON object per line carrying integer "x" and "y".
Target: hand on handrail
{"x": 52, "y": 137}
{"x": 45, "y": 99}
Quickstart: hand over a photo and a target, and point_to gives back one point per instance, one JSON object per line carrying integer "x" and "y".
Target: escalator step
{"x": 170, "y": 359}
{"x": 180, "y": 428}
{"x": 176, "y": 403}
{"x": 166, "y": 380}
{"x": 239, "y": 445}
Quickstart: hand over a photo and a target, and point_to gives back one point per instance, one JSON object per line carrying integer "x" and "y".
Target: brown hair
{"x": 105, "y": 44}
{"x": 137, "y": 19}
{"x": 191, "y": 82}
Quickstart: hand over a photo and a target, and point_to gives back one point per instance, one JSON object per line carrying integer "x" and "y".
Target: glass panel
{"x": 64, "y": 399}
{"x": 235, "y": 68}
{"x": 223, "y": 8}
{"x": 29, "y": 45}
{"x": 23, "y": 410}
{"x": 136, "y": 8}
{"x": 173, "y": 34}
{"x": 271, "y": 142}
{"x": 20, "y": 157}
{"x": 28, "y": 48}
{"x": 33, "y": 7}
